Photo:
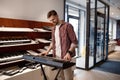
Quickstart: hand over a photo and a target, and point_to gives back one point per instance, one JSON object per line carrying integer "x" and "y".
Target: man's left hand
{"x": 67, "y": 57}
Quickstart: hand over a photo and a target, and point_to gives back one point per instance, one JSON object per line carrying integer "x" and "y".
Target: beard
{"x": 55, "y": 23}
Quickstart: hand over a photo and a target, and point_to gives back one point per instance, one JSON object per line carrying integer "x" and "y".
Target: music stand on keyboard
{"x": 49, "y": 61}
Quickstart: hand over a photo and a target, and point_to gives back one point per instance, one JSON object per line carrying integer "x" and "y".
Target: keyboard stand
{"x": 57, "y": 64}
{"x": 45, "y": 78}
{"x": 57, "y": 74}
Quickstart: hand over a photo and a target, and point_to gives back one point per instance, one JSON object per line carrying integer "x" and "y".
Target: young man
{"x": 63, "y": 43}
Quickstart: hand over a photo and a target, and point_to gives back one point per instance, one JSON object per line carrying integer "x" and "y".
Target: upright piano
{"x": 17, "y": 37}
{"x": 16, "y": 45}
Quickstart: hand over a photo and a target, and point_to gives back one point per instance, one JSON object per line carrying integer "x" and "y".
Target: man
{"x": 63, "y": 43}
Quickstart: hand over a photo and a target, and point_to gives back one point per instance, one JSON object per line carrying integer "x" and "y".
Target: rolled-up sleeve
{"x": 71, "y": 34}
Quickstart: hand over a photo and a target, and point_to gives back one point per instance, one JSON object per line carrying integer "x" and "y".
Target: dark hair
{"x": 52, "y": 12}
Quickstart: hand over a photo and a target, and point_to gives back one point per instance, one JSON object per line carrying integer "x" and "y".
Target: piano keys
{"x": 21, "y": 73}
{"x": 14, "y": 43}
{"x": 13, "y": 72}
{"x": 14, "y": 40}
{"x": 7, "y": 57}
{"x": 50, "y": 61}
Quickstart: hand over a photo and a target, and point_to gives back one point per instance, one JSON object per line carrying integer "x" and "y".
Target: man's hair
{"x": 51, "y": 13}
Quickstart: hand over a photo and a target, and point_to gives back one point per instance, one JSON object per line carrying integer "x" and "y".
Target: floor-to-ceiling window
{"x": 90, "y": 23}
{"x": 75, "y": 14}
{"x": 97, "y": 32}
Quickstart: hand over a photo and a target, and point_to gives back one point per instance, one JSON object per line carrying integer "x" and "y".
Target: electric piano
{"x": 49, "y": 61}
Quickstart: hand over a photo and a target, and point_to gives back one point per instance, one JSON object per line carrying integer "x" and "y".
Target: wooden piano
{"x": 18, "y": 36}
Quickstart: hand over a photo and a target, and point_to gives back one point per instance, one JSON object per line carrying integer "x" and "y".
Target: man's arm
{"x": 72, "y": 47}
{"x": 74, "y": 41}
{"x": 69, "y": 53}
{"x": 48, "y": 50}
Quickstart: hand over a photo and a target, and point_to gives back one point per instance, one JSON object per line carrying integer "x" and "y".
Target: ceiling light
{"x": 112, "y": 13}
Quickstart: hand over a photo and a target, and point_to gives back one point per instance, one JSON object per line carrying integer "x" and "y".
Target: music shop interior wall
{"x": 30, "y": 9}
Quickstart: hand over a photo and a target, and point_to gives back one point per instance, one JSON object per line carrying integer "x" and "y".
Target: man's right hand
{"x": 44, "y": 53}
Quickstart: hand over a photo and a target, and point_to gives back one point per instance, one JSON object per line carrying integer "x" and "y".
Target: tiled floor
{"x": 96, "y": 74}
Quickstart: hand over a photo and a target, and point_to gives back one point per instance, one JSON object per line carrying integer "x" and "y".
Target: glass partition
{"x": 97, "y": 21}
{"x": 75, "y": 15}
{"x": 90, "y": 23}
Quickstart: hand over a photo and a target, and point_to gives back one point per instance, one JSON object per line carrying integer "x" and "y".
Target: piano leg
{"x": 45, "y": 78}
{"x": 57, "y": 74}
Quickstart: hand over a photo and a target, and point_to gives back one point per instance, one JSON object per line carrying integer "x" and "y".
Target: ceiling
{"x": 114, "y": 7}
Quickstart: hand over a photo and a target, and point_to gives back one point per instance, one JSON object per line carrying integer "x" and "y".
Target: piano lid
{"x": 13, "y": 29}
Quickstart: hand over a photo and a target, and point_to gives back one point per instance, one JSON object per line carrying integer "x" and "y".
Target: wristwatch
{"x": 70, "y": 52}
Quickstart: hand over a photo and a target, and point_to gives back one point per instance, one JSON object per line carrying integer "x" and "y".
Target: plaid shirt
{"x": 67, "y": 36}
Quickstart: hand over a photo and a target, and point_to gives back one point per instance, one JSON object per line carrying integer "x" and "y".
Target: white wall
{"x": 114, "y": 29}
{"x": 30, "y": 9}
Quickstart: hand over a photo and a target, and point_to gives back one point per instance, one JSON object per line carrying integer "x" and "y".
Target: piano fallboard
{"x": 49, "y": 61}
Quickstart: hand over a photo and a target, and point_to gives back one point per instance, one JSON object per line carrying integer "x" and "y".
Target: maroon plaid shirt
{"x": 67, "y": 36}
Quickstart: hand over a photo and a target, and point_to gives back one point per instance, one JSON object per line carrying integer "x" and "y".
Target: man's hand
{"x": 44, "y": 53}
{"x": 67, "y": 57}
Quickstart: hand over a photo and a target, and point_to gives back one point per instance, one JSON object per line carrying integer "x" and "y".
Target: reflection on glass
{"x": 73, "y": 11}
{"x": 98, "y": 32}
{"x": 100, "y": 7}
{"x": 100, "y": 39}
{"x": 74, "y": 22}
{"x": 92, "y": 33}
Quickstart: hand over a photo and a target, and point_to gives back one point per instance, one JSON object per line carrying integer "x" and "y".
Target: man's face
{"x": 54, "y": 19}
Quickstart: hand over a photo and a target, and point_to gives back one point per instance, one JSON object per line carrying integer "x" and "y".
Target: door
{"x": 100, "y": 37}
{"x": 101, "y": 30}
{"x": 97, "y": 32}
